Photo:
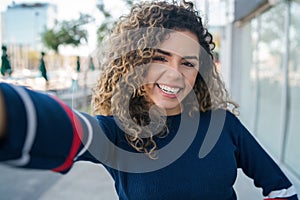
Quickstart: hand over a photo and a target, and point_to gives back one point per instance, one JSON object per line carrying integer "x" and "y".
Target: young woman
{"x": 164, "y": 125}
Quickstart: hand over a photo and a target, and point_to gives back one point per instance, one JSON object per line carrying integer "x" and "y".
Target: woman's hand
{"x": 2, "y": 116}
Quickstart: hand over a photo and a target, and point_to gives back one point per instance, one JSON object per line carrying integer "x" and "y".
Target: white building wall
{"x": 23, "y": 25}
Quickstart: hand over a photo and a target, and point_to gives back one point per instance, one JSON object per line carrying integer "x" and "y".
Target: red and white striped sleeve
{"x": 283, "y": 194}
{"x": 42, "y": 132}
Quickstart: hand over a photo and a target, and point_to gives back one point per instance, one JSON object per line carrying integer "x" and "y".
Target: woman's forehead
{"x": 183, "y": 43}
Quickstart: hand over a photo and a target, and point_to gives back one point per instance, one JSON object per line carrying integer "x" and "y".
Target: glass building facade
{"x": 265, "y": 80}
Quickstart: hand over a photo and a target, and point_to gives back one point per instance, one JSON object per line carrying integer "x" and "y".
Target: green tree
{"x": 67, "y": 33}
{"x": 109, "y": 21}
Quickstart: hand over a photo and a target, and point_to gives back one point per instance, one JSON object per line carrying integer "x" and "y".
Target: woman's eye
{"x": 188, "y": 64}
{"x": 159, "y": 58}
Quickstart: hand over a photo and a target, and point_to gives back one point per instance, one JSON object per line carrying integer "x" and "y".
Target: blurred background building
{"x": 22, "y": 26}
{"x": 261, "y": 66}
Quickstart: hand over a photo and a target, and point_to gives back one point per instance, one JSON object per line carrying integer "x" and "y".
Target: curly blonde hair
{"x": 120, "y": 91}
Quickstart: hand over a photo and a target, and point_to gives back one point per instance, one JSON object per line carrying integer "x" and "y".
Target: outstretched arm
{"x": 39, "y": 130}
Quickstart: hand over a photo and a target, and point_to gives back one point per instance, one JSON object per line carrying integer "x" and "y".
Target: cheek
{"x": 190, "y": 78}
{"x": 148, "y": 88}
{"x": 150, "y": 75}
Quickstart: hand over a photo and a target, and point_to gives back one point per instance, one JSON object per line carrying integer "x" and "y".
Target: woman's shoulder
{"x": 224, "y": 118}
{"x": 105, "y": 118}
{"x": 232, "y": 124}
{"x": 220, "y": 114}
{"x": 108, "y": 123}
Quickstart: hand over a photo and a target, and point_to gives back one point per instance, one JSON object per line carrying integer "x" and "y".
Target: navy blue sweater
{"x": 197, "y": 159}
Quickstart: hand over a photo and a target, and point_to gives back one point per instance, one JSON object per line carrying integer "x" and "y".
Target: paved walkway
{"x": 86, "y": 181}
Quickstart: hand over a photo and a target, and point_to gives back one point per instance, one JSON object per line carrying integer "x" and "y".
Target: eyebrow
{"x": 169, "y": 54}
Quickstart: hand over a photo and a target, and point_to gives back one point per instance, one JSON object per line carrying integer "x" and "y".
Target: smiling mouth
{"x": 167, "y": 89}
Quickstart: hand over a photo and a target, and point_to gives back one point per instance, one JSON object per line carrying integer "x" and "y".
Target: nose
{"x": 173, "y": 68}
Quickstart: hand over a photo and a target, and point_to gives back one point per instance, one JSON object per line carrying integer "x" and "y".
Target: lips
{"x": 168, "y": 89}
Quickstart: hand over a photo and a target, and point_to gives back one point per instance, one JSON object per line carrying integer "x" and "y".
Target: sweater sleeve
{"x": 259, "y": 166}
{"x": 42, "y": 132}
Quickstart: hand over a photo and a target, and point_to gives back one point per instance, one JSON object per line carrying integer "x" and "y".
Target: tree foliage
{"x": 108, "y": 22}
{"x": 67, "y": 33}
{"x": 73, "y": 33}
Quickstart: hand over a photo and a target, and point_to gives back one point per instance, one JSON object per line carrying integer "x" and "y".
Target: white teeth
{"x": 168, "y": 89}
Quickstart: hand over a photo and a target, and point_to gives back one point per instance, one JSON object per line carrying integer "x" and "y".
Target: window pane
{"x": 248, "y": 79}
{"x": 271, "y": 56}
{"x": 292, "y": 153}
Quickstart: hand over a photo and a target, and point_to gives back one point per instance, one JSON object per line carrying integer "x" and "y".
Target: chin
{"x": 170, "y": 109}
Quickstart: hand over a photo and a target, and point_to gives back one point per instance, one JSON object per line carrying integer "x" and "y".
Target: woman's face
{"x": 172, "y": 74}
